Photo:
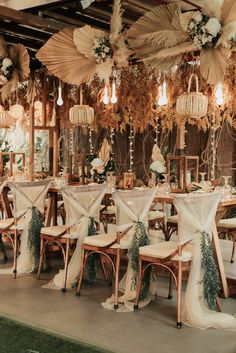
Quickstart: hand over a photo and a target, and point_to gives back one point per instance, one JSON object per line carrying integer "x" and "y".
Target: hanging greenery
{"x": 34, "y": 229}
{"x": 211, "y": 283}
{"x": 90, "y": 269}
{"x": 140, "y": 238}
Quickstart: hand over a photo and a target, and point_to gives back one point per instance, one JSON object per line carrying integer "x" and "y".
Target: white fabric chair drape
{"x": 196, "y": 215}
{"x": 132, "y": 207}
{"x": 25, "y": 196}
{"x": 81, "y": 203}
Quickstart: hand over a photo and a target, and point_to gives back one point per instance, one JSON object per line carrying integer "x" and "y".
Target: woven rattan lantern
{"x": 81, "y": 115}
{"x": 192, "y": 104}
{"x": 6, "y": 119}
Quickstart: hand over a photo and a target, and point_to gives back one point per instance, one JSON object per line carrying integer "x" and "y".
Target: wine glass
{"x": 226, "y": 189}
{"x": 202, "y": 181}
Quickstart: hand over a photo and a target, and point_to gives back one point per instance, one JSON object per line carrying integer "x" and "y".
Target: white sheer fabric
{"x": 132, "y": 206}
{"x": 25, "y": 196}
{"x": 81, "y": 203}
{"x": 197, "y": 214}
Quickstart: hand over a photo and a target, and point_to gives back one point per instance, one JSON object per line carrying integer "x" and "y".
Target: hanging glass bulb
{"x": 219, "y": 94}
{"x": 105, "y": 95}
{"x": 59, "y": 99}
{"x": 113, "y": 96}
{"x": 163, "y": 100}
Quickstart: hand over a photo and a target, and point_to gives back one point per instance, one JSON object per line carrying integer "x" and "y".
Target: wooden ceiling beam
{"x": 82, "y": 18}
{"x": 31, "y": 20}
{"x": 23, "y": 32}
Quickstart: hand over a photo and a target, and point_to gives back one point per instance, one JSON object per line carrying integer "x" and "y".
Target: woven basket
{"x": 192, "y": 104}
{"x": 81, "y": 115}
{"x": 6, "y": 119}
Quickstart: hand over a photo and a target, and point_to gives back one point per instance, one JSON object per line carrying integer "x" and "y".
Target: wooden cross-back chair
{"x": 80, "y": 205}
{"x": 25, "y": 196}
{"x": 174, "y": 256}
{"x": 111, "y": 246}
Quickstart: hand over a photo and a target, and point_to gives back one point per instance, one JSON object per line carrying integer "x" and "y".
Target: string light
{"x": 131, "y": 145}
{"x": 59, "y": 99}
{"x": 90, "y": 140}
{"x": 213, "y": 149}
{"x": 219, "y": 94}
{"x": 156, "y": 131}
{"x": 163, "y": 100}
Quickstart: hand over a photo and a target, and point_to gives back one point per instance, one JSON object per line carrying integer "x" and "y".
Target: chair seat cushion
{"x": 162, "y": 250}
{"x": 100, "y": 240}
{"x": 155, "y": 215}
{"x": 5, "y": 223}
{"x": 227, "y": 223}
{"x": 173, "y": 219}
{"x": 55, "y": 231}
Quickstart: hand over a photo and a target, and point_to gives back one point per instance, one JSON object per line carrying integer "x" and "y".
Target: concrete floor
{"x": 149, "y": 330}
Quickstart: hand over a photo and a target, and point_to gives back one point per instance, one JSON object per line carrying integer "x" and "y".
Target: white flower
{"x": 103, "y": 55}
{"x": 158, "y": 167}
{"x": 106, "y": 49}
{"x": 198, "y": 17}
{"x": 6, "y": 62}
{"x": 212, "y": 26}
{"x": 197, "y": 42}
{"x": 191, "y": 25}
{"x": 97, "y": 162}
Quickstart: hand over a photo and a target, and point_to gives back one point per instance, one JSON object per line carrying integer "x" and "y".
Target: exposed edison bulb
{"x": 113, "y": 91}
{"x": 105, "y": 95}
{"x": 59, "y": 99}
{"x": 163, "y": 100}
{"x": 219, "y": 94}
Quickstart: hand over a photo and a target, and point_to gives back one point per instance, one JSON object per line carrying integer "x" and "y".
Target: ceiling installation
{"x": 33, "y": 22}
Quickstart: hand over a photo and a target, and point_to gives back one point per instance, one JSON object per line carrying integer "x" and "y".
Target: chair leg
{"x": 139, "y": 286}
{"x": 83, "y": 263}
{"x": 41, "y": 257}
{"x": 66, "y": 266}
{"x": 233, "y": 250}
{"x": 170, "y": 287}
{"x": 3, "y": 249}
{"x": 117, "y": 271}
{"x": 15, "y": 253}
{"x": 179, "y": 294}
{"x": 103, "y": 269}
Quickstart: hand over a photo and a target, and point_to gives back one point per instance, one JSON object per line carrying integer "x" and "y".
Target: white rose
{"x": 198, "y": 17}
{"x": 103, "y": 55}
{"x": 191, "y": 25}
{"x": 97, "y": 162}
{"x": 106, "y": 49}
{"x": 6, "y": 62}
{"x": 212, "y": 26}
{"x": 158, "y": 167}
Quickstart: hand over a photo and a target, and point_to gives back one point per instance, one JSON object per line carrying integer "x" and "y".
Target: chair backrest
{"x": 29, "y": 194}
{"x": 196, "y": 214}
{"x": 82, "y": 200}
{"x": 132, "y": 206}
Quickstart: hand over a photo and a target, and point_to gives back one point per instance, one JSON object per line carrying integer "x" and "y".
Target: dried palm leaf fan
{"x": 81, "y": 115}
{"x": 192, "y": 104}
{"x": 6, "y": 119}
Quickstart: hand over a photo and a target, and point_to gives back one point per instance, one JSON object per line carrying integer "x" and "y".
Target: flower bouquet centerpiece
{"x": 157, "y": 168}
{"x": 98, "y": 170}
